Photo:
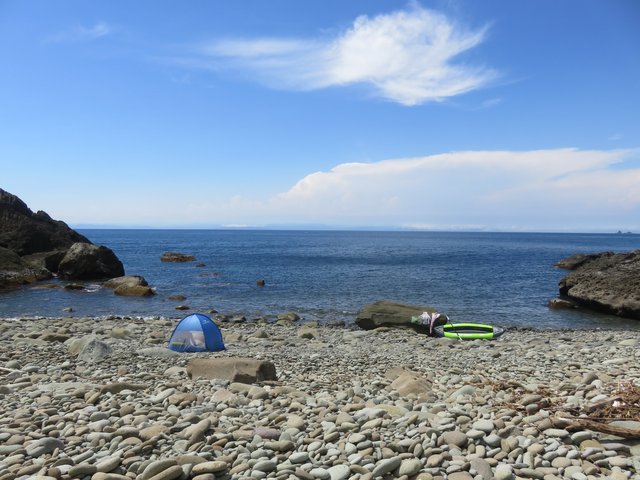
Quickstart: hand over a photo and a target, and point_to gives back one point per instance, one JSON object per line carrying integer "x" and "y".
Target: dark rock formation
{"x": 26, "y": 232}
{"x": 607, "y": 282}
{"x": 575, "y": 261}
{"x": 87, "y": 261}
{"x": 14, "y": 271}
{"x": 47, "y": 260}
{"x": 176, "y": 257}
{"x": 41, "y": 246}
{"x": 392, "y": 314}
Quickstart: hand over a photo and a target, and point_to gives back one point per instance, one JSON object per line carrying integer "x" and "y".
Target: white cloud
{"x": 409, "y": 56}
{"x": 540, "y": 189}
{"x": 82, "y": 33}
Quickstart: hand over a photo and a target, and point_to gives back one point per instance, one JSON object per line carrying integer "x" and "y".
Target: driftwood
{"x": 607, "y": 428}
{"x": 572, "y": 423}
{"x": 602, "y": 404}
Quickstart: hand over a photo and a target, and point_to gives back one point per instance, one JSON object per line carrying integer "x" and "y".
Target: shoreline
{"x": 223, "y": 319}
{"x": 338, "y": 410}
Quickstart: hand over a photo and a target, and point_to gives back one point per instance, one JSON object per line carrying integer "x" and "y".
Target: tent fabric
{"x": 196, "y": 333}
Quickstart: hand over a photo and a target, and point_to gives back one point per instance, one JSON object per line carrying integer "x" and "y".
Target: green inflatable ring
{"x": 468, "y": 331}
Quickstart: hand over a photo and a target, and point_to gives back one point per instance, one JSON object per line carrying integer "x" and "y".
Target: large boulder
{"x": 384, "y": 313}
{"x": 15, "y": 271}
{"x": 87, "y": 261}
{"x": 94, "y": 351}
{"x": 126, "y": 281}
{"x": 241, "y": 370}
{"x": 130, "y": 286}
{"x": 607, "y": 282}
{"x": 409, "y": 383}
{"x": 134, "y": 291}
{"x": 26, "y": 232}
{"x": 47, "y": 260}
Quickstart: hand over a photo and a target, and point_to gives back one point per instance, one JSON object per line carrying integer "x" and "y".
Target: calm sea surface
{"x": 500, "y": 278}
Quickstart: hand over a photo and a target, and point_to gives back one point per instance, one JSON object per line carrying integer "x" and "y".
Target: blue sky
{"x": 446, "y": 115}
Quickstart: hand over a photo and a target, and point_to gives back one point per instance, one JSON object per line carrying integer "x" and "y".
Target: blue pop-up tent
{"x": 196, "y": 333}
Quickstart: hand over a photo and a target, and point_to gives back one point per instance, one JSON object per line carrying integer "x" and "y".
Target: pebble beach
{"x": 347, "y": 404}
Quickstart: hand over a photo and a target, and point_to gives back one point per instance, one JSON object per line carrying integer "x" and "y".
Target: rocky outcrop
{"x": 26, "y": 232}
{"x": 607, "y": 282}
{"x": 34, "y": 246}
{"x": 392, "y": 314}
{"x": 47, "y": 260}
{"x": 15, "y": 271}
{"x": 87, "y": 261}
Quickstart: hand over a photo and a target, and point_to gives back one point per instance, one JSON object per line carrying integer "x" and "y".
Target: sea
{"x": 504, "y": 279}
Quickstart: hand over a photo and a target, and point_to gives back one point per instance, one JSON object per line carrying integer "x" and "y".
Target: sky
{"x": 498, "y": 115}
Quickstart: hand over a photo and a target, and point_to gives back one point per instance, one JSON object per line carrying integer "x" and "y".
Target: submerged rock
{"x": 607, "y": 282}
{"x": 175, "y": 257}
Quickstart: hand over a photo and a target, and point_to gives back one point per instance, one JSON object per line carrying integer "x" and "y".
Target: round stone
{"x": 483, "y": 425}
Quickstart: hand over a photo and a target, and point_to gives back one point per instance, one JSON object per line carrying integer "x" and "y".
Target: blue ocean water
{"x": 500, "y": 278}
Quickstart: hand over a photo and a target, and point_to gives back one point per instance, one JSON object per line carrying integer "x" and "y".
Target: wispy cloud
{"x": 82, "y": 33}
{"x": 411, "y": 56}
{"x": 540, "y": 189}
{"x": 490, "y": 103}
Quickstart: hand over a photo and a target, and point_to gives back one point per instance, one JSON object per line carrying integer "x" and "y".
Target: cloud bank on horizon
{"x": 560, "y": 189}
{"x": 408, "y": 56}
{"x": 540, "y": 190}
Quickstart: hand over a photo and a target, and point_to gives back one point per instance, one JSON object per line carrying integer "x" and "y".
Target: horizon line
{"x": 330, "y": 228}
